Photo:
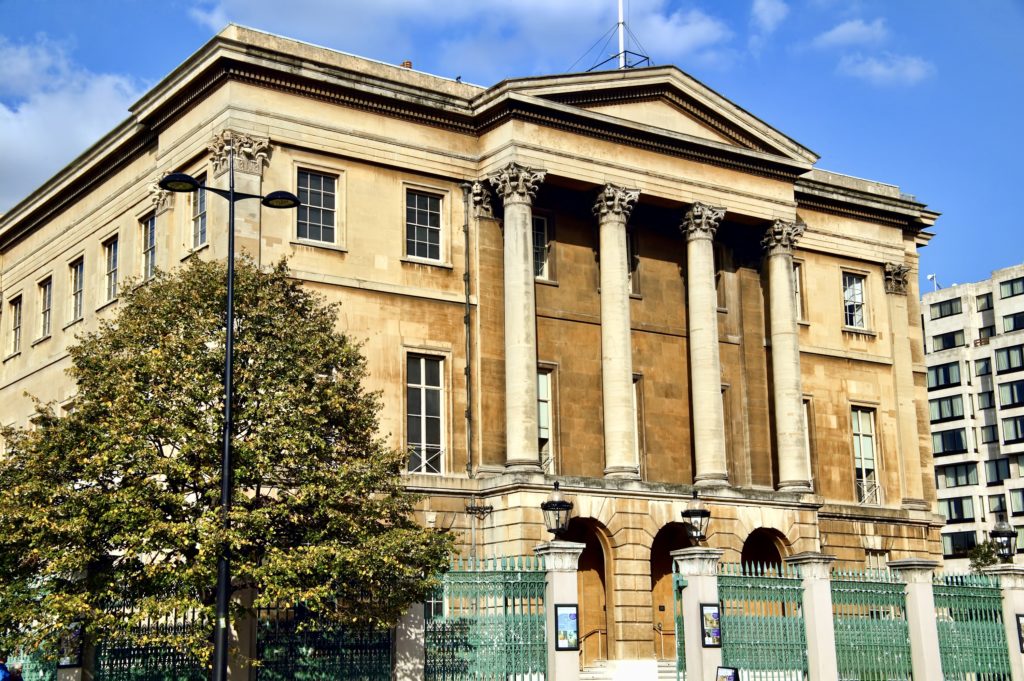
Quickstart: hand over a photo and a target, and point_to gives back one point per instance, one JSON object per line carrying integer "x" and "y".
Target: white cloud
{"x": 887, "y": 69}
{"x": 853, "y": 32}
{"x": 768, "y": 14}
{"x": 50, "y": 112}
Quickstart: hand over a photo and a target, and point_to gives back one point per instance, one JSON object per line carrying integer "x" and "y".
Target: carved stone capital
{"x": 781, "y": 236}
{"x": 161, "y": 198}
{"x": 251, "y": 153}
{"x": 617, "y": 201}
{"x": 701, "y": 221}
{"x": 516, "y": 183}
{"x": 481, "y": 197}
{"x": 896, "y": 278}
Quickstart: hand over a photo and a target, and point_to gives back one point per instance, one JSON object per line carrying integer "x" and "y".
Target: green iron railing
{"x": 972, "y": 639}
{"x": 872, "y": 639}
{"x": 134, "y": 657}
{"x": 762, "y": 621}
{"x": 486, "y": 622}
{"x": 33, "y": 667}
{"x": 293, "y": 645}
{"x": 678, "y": 584}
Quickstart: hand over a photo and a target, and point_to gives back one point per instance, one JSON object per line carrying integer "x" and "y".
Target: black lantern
{"x": 1005, "y": 538}
{"x": 556, "y": 513}
{"x": 698, "y": 518}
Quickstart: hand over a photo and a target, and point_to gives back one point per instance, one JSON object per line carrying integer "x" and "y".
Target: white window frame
{"x": 306, "y": 195}
{"x": 147, "y": 225}
{"x": 45, "y": 289}
{"x": 546, "y": 415}
{"x": 442, "y": 206}
{"x": 110, "y": 267}
{"x": 867, "y": 486}
{"x": 431, "y": 463}
{"x": 200, "y": 237}
{"x": 633, "y": 261}
{"x": 543, "y": 268}
{"x": 855, "y": 300}
{"x": 798, "y": 290}
{"x": 16, "y": 309}
{"x": 76, "y": 284}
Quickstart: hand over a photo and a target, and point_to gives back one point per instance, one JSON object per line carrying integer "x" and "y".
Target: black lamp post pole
{"x": 220, "y": 640}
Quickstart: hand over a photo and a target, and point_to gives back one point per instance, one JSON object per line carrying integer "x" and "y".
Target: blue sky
{"x": 926, "y": 94}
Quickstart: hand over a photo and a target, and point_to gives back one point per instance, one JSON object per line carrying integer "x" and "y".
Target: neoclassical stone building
{"x": 618, "y": 280}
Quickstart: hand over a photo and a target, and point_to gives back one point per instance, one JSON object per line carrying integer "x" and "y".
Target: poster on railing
{"x": 710, "y": 625}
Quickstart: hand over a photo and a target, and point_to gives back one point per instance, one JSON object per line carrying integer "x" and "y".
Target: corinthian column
{"x": 620, "y": 456}
{"x": 791, "y": 441}
{"x": 517, "y": 186}
{"x": 699, "y": 226}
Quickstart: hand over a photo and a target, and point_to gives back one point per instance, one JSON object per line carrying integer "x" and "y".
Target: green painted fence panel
{"x": 678, "y": 584}
{"x": 762, "y": 622}
{"x": 972, "y": 640}
{"x": 33, "y": 667}
{"x": 134, "y": 657}
{"x": 872, "y": 639}
{"x": 486, "y": 622}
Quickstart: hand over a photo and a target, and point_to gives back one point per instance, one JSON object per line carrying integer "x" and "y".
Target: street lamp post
{"x": 698, "y": 517}
{"x": 180, "y": 182}
{"x": 1005, "y": 538}
{"x": 557, "y": 512}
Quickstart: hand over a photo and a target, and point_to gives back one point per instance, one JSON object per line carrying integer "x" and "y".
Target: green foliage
{"x": 115, "y": 507}
{"x": 982, "y": 555}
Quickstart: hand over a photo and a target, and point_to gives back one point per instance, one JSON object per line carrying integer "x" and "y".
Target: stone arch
{"x": 673, "y": 536}
{"x": 766, "y": 546}
{"x": 594, "y": 586}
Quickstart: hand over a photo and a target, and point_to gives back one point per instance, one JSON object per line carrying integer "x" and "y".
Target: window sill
{"x": 106, "y": 304}
{"x": 948, "y": 419}
{"x": 76, "y": 320}
{"x": 857, "y": 331}
{"x": 41, "y": 339}
{"x": 804, "y": 323}
{"x": 546, "y": 282}
{"x": 11, "y": 356}
{"x": 195, "y": 250}
{"x": 636, "y": 296}
{"x": 943, "y": 387}
{"x": 424, "y": 261}
{"x": 722, "y": 310}
{"x": 1009, "y": 371}
{"x": 959, "y": 521}
{"x": 318, "y": 244}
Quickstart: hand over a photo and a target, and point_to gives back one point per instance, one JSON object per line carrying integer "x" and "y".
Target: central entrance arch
{"x": 671, "y": 537}
{"x": 764, "y": 547}
{"x": 592, "y": 588}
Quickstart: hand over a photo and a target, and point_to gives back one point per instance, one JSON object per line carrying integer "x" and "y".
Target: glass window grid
{"x": 983, "y": 366}
{"x": 1017, "y": 501}
{"x": 424, "y": 404}
{"x": 945, "y": 341}
{"x": 1013, "y": 322}
{"x": 958, "y": 544}
{"x": 199, "y": 214}
{"x": 946, "y": 308}
{"x": 956, "y": 475}
{"x": 864, "y": 455}
{"x": 110, "y": 275}
{"x": 422, "y": 225}
{"x": 541, "y": 248}
{"x": 317, "y": 207}
{"x": 45, "y": 307}
{"x": 987, "y": 331}
{"x": 77, "y": 276}
{"x": 986, "y": 399}
{"x": 15, "y": 308}
{"x": 997, "y": 503}
{"x": 957, "y": 510}
{"x": 944, "y": 375}
{"x": 984, "y": 302}
{"x": 989, "y": 434}
{"x": 148, "y": 246}
{"x": 1010, "y": 359}
{"x": 798, "y": 296}
{"x": 997, "y": 470}
{"x": 946, "y": 408}
{"x": 1013, "y": 430}
{"x": 853, "y": 301}
{"x": 1013, "y": 287}
{"x": 1011, "y": 394}
{"x": 633, "y": 261}
{"x": 544, "y": 417}
{"x": 949, "y": 442}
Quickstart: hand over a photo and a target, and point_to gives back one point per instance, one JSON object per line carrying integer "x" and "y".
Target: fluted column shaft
{"x": 517, "y": 185}
{"x": 790, "y": 437}
{"x": 699, "y": 226}
{"x": 612, "y": 209}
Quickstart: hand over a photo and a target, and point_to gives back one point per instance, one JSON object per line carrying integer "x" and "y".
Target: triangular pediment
{"x": 665, "y": 98}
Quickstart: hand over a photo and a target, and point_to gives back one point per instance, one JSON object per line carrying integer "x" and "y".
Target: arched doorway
{"x": 669, "y": 538}
{"x": 763, "y": 547}
{"x": 592, "y": 589}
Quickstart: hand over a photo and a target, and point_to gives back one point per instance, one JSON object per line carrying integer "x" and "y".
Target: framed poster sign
{"x": 727, "y": 674}
{"x": 1020, "y": 632}
{"x": 710, "y": 626}
{"x": 70, "y": 647}
{"x": 567, "y": 627}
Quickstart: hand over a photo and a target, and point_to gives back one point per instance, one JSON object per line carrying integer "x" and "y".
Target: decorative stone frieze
{"x": 251, "y": 153}
{"x": 481, "y": 197}
{"x": 516, "y": 183}
{"x": 161, "y": 198}
{"x": 617, "y": 201}
{"x": 701, "y": 221}
{"x": 781, "y": 236}
{"x": 896, "y": 278}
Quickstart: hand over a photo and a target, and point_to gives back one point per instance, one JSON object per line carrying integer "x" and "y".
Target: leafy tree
{"x": 982, "y": 555}
{"x": 114, "y": 508}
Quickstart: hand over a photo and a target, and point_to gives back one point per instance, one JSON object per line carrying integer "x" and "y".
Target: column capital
{"x": 701, "y": 221}
{"x": 617, "y": 201}
{"x": 251, "y": 153}
{"x": 516, "y": 183}
{"x": 697, "y": 560}
{"x": 481, "y": 197}
{"x": 896, "y": 278}
{"x": 914, "y": 570}
{"x": 812, "y": 564}
{"x": 1010, "y": 575}
{"x": 161, "y": 198}
{"x": 560, "y": 556}
{"x": 781, "y": 236}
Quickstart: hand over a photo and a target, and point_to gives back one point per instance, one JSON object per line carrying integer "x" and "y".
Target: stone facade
{"x": 630, "y": 235}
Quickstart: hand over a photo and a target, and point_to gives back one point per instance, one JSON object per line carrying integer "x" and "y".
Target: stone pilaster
{"x": 612, "y": 209}
{"x": 903, "y": 368}
{"x": 561, "y": 559}
{"x": 699, "y": 226}
{"x": 815, "y": 574}
{"x": 790, "y": 438}
{"x": 251, "y": 156}
{"x": 517, "y": 185}
{"x": 699, "y": 567}
{"x": 1011, "y": 583}
{"x": 923, "y": 631}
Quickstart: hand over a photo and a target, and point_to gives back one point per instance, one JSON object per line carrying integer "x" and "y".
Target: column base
{"x": 711, "y": 480}
{"x": 796, "y": 487}
{"x": 916, "y": 505}
{"x": 527, "y": 466}
{"x": 622, "y": 473}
